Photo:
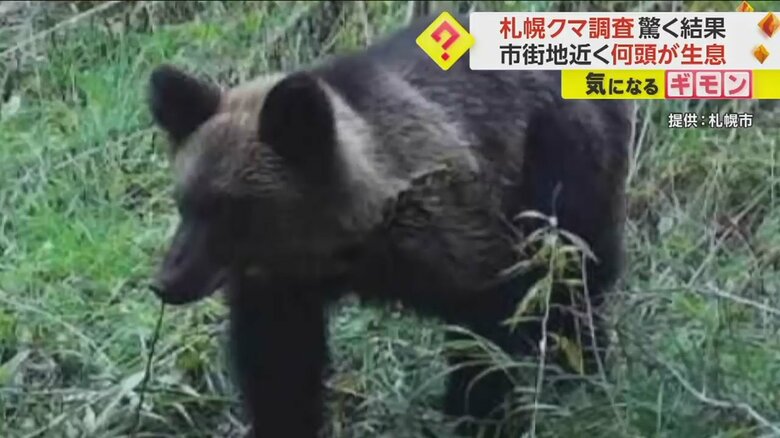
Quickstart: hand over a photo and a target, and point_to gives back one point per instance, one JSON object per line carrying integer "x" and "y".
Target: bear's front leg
{"x": 279, "y": 352}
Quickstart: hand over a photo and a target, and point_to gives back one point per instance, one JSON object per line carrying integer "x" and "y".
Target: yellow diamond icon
{"x": 744, "y": 7}
{"x": 761, "y": 53}
{"x": 445, "y": 41}
{"x": 769, "y": 24}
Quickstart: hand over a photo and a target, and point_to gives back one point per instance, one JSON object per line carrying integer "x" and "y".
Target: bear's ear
{"x": 297, "y": 122}
{"x": 180, "y": 103}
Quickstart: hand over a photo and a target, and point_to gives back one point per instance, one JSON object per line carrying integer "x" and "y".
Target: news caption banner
{"x": 686, "y": 55}
{"x": 631, "y": 55}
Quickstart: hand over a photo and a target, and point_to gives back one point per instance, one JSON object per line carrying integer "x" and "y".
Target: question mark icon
{"x": 453, "y": 36}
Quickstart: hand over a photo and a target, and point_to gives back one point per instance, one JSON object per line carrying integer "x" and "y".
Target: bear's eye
{"x": 194, "y": 206}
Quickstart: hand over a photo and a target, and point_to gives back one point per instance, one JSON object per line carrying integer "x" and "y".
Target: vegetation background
{"x": 85, "y": 210}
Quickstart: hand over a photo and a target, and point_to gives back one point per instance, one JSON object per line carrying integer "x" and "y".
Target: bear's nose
{"x": 156, "y": 286}
{"x": 166, "y": 294}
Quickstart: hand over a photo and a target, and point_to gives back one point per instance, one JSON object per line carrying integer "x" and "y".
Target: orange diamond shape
{"x": 769, "y": 24}
{"x": 744, "y": 7}
{"x": 761, "y": 53}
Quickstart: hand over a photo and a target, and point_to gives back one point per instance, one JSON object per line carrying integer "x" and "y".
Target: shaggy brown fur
{"x": 380, "y": 174}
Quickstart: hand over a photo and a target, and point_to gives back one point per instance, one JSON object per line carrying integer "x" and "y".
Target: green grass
{"x": 85, "y": 202}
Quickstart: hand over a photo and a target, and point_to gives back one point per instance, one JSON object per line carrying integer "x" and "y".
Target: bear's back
{"x": 393, "y": 82}
{"x": 528, "y": 142}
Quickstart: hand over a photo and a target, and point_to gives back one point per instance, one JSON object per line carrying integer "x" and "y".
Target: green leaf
{"x": 8, "y": 369}
{"x": 572, "y": 351}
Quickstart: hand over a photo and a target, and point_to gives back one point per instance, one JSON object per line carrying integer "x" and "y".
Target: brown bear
{"x": 378, "y": 173}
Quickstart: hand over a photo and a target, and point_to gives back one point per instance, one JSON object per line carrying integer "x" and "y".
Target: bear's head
{"x": 271, "y": 176}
